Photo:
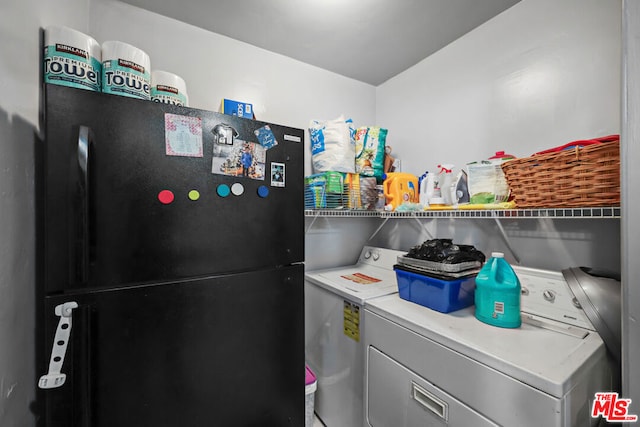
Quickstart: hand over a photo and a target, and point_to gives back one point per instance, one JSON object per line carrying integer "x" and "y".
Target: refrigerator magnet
{"x": 183, "y": 135}
{"x": 224, "y": 134}
{"x": 266, "y": 137}
{"x": 277, "y": 174}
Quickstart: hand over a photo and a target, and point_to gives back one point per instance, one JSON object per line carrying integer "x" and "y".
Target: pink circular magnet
{"x": 165, "y": 197}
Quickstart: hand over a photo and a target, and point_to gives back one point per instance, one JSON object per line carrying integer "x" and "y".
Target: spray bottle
{"x": 426, "y": 188}
{"x": 445, "y": 179}
{"x": 434, "y": 195}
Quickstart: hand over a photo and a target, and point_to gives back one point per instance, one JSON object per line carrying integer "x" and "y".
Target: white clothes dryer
{"x": 429, "y": 368}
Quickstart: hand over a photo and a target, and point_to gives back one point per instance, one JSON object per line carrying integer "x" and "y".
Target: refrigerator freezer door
{"x": 225, "y": 350}
{"x": 128, "y": 197}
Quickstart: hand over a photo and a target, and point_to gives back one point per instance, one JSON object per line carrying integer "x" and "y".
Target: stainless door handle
{"x": 84, "y": 159}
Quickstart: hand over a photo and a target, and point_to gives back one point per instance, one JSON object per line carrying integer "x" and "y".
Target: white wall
{"x": 20, "y": 23}
{"x": 539, "y": 75}
{"x": 281, "y": 89}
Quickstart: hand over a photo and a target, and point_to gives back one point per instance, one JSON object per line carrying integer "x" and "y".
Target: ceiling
{"x": 367, "y": 40}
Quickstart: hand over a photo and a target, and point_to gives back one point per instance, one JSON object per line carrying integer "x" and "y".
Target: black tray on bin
{"x": 438, "y": 266}
{"x": 442, "y": 275}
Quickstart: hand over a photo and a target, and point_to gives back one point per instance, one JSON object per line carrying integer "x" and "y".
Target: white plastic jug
{"x": 446, "y": 182}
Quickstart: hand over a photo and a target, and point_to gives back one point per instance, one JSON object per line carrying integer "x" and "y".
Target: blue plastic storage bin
{"x": 437, "y": 294}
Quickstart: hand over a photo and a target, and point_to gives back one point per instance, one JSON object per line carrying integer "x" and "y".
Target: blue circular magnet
{"x": 223, "y": 190}
{"x": 263, "y": 191}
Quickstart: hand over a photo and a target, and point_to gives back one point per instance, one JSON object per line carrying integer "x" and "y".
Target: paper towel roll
{"x": 71, "y": 58}
{"x": 125, "y": 70}
{"x": 168, "y": 88}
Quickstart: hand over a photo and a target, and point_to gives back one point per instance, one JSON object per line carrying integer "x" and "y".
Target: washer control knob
{"x": 549, "y": 295}
{"x": 524, "y": 291}
{"x": 376, "y": 256}
{"x": 576, "y": 303}
{"x": 367, "y": 255}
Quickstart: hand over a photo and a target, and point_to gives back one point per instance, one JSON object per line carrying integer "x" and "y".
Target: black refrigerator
{"x": 170, "y": 253}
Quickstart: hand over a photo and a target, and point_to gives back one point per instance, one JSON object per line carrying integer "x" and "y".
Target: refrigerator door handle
{"x": 85, "y": 140}
{"x": 54, "y": 378}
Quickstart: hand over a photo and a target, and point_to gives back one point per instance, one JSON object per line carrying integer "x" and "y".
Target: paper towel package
{"x": 126, "y": 70}
{"x": 168, "y": 88}
{"x": 71, "y": 58}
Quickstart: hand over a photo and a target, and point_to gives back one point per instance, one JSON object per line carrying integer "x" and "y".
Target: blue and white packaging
{"x": 168, "y": 88}
{"x": 126, "y": 70}
{"x": 236, "y": 108}
{"x": 333, "y": 146}
{"x": 71, "y": 59}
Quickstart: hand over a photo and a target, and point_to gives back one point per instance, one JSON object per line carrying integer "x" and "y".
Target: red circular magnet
{"x": 165, "y": 197}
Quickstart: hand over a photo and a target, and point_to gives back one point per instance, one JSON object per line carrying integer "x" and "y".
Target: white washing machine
{"x": 334, "y": 329}
{"x": 426, "y": 368}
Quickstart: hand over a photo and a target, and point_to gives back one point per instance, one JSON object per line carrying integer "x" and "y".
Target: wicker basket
{"x": 580, "y": 175}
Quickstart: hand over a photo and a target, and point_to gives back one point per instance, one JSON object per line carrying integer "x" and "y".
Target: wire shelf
{"x": 605, "y": 212}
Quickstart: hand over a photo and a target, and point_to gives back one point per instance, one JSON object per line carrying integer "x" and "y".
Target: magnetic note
{"x": 183, "y": 135}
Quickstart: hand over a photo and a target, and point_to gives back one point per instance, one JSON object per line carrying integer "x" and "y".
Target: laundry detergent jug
{"x": 497, "y": 295}
{"x": 400, "y": 187}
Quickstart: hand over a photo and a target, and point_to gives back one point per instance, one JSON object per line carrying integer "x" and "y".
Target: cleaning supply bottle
{"x": 446, "y": 181}
{"x": 434, "y": 195}
{"x": 400, "y": 187}
{"x": 426, "y": 188}
{"x": 497, "y": 295}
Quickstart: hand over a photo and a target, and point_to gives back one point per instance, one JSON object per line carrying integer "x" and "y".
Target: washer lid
{"x": 599, "y": 295}
{"x": 357, "y": 283}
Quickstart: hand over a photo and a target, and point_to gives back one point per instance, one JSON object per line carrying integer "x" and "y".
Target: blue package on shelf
{"x": 438, "y": 294}
{"x": 235, "y": 108}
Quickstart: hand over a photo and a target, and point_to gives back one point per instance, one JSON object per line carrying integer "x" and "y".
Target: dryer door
{"x": 397, "y": 396}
